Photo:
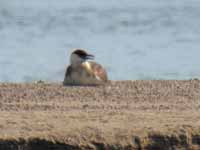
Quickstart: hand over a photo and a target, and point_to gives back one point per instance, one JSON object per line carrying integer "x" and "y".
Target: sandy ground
{"x": 149, "y": 115}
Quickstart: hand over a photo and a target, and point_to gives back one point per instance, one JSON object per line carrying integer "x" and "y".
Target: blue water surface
{"x": 154, "y": 39}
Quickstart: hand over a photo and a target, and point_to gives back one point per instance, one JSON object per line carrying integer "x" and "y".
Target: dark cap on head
{"x": 80, "y": 52}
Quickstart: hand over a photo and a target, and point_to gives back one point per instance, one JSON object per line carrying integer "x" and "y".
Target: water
{"x": 132, "y": 39}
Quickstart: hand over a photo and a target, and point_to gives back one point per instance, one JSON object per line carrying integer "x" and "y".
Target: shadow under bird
{"x": 83, "y": 70}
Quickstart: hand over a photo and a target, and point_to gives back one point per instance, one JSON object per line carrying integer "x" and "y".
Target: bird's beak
{"x": 89, "y": 56}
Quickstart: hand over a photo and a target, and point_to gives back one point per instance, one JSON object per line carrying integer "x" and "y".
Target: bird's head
{"x": 79, "y": 56}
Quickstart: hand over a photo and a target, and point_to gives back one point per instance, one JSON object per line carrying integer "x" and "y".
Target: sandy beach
{"x": 137, "y": 115}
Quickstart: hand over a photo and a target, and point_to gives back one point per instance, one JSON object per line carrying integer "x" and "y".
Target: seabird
{"x": 83, "y": 70}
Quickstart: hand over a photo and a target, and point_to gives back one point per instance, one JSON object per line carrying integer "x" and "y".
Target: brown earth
{"x": 137, "y": 115}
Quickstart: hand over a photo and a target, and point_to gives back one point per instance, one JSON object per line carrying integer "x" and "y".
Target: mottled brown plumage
{"x": 98, "y": 71}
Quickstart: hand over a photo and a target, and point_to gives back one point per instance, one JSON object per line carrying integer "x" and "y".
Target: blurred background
{"x": 154, "y": 39}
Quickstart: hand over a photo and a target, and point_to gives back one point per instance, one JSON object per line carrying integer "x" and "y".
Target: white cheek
{"x": 75, "y": 59}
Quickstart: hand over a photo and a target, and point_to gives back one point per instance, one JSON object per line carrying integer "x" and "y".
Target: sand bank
{"x": 138, "y": 115}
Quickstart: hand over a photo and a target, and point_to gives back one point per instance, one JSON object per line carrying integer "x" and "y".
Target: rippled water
{"x": 132, "y": 39}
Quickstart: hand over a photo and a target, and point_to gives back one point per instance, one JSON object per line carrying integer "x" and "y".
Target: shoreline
{"x": 138, "y": 115}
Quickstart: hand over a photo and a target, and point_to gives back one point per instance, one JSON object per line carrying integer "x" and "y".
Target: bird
{"x": 83, "y": 70}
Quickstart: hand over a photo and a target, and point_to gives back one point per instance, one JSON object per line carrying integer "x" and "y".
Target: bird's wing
{"x": 68, "y": 71}
{"x": 98, "y": 71}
